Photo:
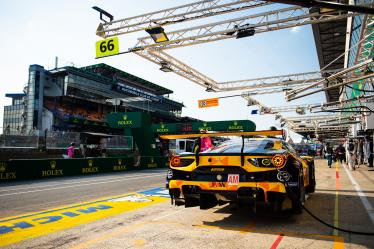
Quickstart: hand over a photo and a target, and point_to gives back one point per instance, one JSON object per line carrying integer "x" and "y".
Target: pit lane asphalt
{"x": 164, "y": 226}
{"x": 36, "y": 195}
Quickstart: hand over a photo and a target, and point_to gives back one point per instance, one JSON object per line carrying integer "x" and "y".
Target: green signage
{"x": 233, "y": 125}
{"x": 125, "y": 119}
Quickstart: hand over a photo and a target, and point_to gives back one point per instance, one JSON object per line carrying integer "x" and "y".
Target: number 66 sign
{"x": 107, "y": 47}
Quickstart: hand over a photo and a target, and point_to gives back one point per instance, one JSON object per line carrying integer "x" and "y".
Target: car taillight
{"x": 278, "y": 160}
{"x": 177, "y": 161}
{"x": 261, "y": 162}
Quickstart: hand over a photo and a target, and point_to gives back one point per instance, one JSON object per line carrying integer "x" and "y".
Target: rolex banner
{"x": 20, "y": 169}
{"x": 125, "y": 119}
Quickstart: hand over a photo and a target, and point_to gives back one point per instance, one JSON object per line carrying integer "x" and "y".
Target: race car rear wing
{"x": 268, "y": 133}
{"x": 225, "y": 134}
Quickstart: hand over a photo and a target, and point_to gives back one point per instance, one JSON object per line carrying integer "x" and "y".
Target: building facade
{"x": 13, "y": 119}
{"x": 361, "y": 49}
{"x": 79, "y": 99}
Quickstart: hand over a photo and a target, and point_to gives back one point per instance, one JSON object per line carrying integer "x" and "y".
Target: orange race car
{"x": 246, "y": 170}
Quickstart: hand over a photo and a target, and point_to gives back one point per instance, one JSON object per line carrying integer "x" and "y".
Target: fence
{"x": 19, "y": 141}
{"x": 58, "y": 140}
{"x": 120, "y": 142}
{"x": 61, "y": 139}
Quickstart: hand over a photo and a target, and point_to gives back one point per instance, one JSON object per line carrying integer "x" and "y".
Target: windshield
{"x": 250, "y": 146}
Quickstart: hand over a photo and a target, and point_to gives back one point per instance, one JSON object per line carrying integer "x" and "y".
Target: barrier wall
{"x": 21, "y": 169}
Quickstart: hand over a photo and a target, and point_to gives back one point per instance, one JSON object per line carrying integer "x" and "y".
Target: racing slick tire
{"x": 312, "y": 179}
{"x": 298, "y": 198}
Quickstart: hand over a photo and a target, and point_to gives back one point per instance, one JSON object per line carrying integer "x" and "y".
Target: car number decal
{"x": 233, "y": 179}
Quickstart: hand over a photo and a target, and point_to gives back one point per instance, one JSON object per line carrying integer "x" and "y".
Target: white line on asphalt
{"x": 60, "y": 182}
{"x": 364, "y": 200}
{"x": 79, "y": 185}
{"x": 166, "y": 215}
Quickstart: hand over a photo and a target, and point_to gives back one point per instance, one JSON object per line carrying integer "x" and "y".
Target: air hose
{"x": 293, "y": 197}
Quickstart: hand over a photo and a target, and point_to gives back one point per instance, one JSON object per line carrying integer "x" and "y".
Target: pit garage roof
{"x": 108, "y": 71}
{"x": 330, "y": 38}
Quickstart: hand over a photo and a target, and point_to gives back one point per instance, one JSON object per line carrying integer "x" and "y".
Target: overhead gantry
{"x": 294, "y": 85}
{"x": 228, "y": 29}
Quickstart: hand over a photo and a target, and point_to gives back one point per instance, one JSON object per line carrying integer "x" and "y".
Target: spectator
{"x": 368, "y": 151}
{"x": 328, "y": 154}
{"x": 351, "y": 155}
{"x": 340, "y": 153}
{"x": 205, "y": 142}
{"x": 70, "y": 150}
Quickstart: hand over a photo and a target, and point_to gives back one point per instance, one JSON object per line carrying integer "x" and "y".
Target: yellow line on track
{"x": 16, "y": 229}
{"x": 336, "y": 206}
{"x": 338, "y": 241}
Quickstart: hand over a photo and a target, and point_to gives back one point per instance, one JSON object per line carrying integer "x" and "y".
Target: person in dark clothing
{"x": 340, "y": 153}
{"x": 370, "y": 161}
{"x": 328, "y": 154}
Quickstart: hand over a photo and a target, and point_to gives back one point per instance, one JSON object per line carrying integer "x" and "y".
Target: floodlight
{"x": 100, "y": 31}
{"x": 157, "y": 34}
{"x": 209, "y": 89}
{"x": 165, "y": 67}
{"x": 245, "y": 32}
{"x": 103, "y": 12}
{"x": 300, "y": 110}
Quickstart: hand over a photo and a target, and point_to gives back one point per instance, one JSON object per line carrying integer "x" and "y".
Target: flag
{"x": 254, "y": 112}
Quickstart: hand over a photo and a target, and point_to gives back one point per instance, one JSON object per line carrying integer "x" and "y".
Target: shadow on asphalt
{"x": 351, "y": 216}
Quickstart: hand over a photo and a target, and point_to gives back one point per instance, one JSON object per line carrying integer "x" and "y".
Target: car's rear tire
{"x": 311, "y": 188}
{"x": 298, "y": 198}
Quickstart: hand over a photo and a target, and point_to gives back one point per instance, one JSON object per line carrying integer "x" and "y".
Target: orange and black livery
{"x": 247, "y": 168}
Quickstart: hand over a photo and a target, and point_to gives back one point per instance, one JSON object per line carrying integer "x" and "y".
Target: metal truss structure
{"x": 262, "y": 22}
{"x": 300, "y": 109}
{"x": 355, "y": 105}
{"x": 339, "y": 79}
{"x": 279, "y": 82}
{"x": 183, "y": 13}
{"x": 316, "y": 118}
{"x": 256, "y": 23}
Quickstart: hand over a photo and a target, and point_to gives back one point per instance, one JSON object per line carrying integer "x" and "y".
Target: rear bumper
{"x": 187, "y": 188}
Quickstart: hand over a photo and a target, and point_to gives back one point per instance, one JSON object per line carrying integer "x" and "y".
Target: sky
{"x": 35, "y": 32}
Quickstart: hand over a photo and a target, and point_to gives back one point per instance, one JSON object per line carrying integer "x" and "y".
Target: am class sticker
{"x": 233, "y": 179}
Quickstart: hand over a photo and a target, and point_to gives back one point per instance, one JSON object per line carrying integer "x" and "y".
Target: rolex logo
{"x": 152, "y": 160}
{"x": 2, "y": 168}
{"x": 119, "y": 161}
{"x": 162, "y": 126}
{"x": 124, "y": 117}
{"x": 53, "y": 164}
{"x": 205, "y": 124}
{"x": 90, "y": 163}
{"x": 235, "y": 123}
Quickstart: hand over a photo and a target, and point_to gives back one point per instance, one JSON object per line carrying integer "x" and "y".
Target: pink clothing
{"x": 206, "y": 143}
{"x": 70, "y": 151}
